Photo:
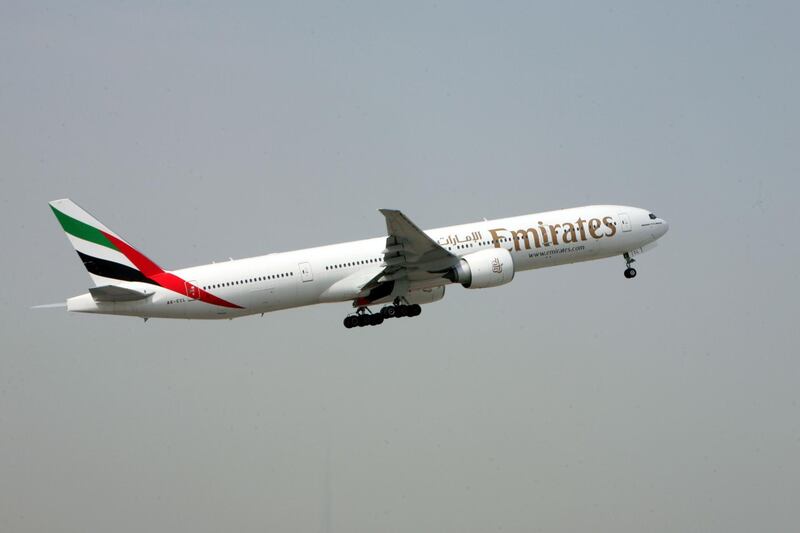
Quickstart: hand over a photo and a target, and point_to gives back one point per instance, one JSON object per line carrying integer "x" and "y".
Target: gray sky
{"x": 569, "y": 400}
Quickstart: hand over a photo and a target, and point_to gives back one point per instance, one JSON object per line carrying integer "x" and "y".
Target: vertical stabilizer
{"x": 107, "y": 257}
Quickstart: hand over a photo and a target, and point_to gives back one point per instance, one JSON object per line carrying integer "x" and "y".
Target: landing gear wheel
{"x": 363, "y": 317}
{"x": 414, "y": 310}
{"x": 401, "y": 310}
{"x": 630, "y": 272}
{"x": 389, "y": 311}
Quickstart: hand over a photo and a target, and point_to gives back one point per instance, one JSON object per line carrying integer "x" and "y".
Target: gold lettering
{"x": 525, "y": 235}
{"x": 580, "y": 223}
{"x": 569, "y": 232}
{"x": 554, "y": 233}
{"x": 594, "y": 224}
{"x": 496, "y": 236}
{"x": 607, "y": 221}
{"x": 543, "y": 231}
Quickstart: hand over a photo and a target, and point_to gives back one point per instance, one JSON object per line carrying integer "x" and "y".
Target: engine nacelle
{"x": 484, "y": 269}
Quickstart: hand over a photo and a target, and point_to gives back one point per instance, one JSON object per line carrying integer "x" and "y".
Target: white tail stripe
{"x": 98, "y": 251}
{"x": 100, "y": 281}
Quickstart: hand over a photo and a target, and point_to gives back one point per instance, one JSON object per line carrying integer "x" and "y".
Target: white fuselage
{"x": 334, "y": 273}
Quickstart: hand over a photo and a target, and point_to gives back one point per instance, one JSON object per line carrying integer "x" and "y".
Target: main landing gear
{"x": 630, "y": 272}
{"x": 362, "y": 317}
{"x": 365, "y": 317}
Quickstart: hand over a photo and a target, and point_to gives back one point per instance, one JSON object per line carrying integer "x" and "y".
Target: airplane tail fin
{"x": 107, "y": 257}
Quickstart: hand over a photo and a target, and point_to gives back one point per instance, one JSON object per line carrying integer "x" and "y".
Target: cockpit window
{"x": 652, "y": 216}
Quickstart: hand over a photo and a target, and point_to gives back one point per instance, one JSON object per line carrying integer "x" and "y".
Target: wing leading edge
{"x": 410, "y": 254}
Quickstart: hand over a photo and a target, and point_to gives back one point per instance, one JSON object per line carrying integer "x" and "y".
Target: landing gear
{"x": 364, "y": 317}
{"x": 630, "y": 272}
{"x": 401, "y": 310}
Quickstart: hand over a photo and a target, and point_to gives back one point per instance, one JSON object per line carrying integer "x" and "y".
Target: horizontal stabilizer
{"x": 115, "y": 293}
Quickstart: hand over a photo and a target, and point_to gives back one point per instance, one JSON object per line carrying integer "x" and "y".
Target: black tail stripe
{"x": 110, "y": 269}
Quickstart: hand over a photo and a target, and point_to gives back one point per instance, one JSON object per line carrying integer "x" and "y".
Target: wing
{"x": 410, "y": 254}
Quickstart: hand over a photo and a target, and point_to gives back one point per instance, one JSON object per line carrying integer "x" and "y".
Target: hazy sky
{"x": 570, "y": 400}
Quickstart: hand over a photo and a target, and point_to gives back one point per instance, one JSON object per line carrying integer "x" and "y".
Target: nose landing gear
{"x": 630, "y": 272}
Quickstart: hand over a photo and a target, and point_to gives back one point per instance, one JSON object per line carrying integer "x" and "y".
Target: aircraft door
{"x": 305, "y": 272}
{"x": 626, "y": 221}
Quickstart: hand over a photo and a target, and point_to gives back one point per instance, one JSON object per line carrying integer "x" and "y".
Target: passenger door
{"x": 305, "y": 272}
{"x": 625, "y": 220}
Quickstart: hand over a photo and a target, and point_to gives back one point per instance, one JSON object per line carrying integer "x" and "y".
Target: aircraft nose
{"x": 661, "y": 228}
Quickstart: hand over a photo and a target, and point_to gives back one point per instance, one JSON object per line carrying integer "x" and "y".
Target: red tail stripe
{"x": 164, "y": 279}
{"x": 145, "y": 266}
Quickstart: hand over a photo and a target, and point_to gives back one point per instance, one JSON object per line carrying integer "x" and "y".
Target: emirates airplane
{"x": 404, "y": 269}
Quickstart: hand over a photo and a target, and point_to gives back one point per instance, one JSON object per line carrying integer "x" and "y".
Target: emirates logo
{"x": 497, "y": 266}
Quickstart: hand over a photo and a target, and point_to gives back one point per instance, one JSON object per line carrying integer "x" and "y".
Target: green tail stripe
{"x": 82, "y": 230}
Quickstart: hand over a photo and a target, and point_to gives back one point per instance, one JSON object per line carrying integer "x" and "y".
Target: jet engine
{"x": 484, "y": 269}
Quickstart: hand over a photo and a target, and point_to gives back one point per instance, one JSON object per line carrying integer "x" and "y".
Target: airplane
{"x": 401, "y": 271}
